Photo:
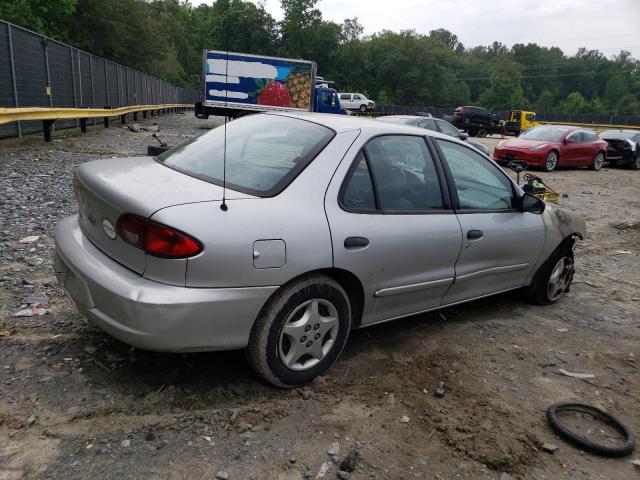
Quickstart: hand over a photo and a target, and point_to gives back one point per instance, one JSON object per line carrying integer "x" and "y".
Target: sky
{"x": 606, "y": 25}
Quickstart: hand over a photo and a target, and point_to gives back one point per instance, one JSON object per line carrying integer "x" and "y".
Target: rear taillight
{"x": 156, "y": 239}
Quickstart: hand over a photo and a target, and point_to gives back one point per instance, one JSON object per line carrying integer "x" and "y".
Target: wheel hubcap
{"x": 560, "y": 278}
{"x": 552, "y": 160}
{"x": 309, "y": 334}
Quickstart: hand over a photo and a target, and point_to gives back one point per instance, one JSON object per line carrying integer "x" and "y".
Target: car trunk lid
{"x": 106, "y": 189}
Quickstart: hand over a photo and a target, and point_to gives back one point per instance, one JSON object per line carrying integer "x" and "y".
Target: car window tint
{"x": 404, "y": 173}
{"x": 358, "y": 190}
{"x": 448, "y": 129}
{"x": 479, "y": 183}
{"x": 427, "y": 123}
{"x": 263, "y": 153}
{"x": 588, "y": 137}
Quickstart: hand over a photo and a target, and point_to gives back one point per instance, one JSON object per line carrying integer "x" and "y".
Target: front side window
{"x": 448, "y": 129}
{"x": 403, "y": 176}
{"x": 588, "y": 137}
{"x": 575, "y": 136}
{"x": 357, "y": 97}
{"x": 480, "y": 185}
{"x": 264, "y": 153}
{"x": 327, "y": 98}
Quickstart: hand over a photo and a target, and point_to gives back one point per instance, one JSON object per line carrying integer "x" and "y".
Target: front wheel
{"x": 554, "y": 277}
{"x": 300, "y": 332}
{"x": 363, "y": 108}
{"x": 598, "y": 161}
{"x": 635, "y": 165}
{"x": 551, "y": 161}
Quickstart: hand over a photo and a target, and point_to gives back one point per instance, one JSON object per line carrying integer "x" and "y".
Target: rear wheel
{"x": 554, "y": 277}
{"x": 598, "y": 161}
{"x": 551, "y": 161}
{"x": 482, "y": 132}
{"x": 300, "y": 332}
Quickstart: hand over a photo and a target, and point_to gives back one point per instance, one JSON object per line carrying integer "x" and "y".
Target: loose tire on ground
{"x": 153, "y": 150}
{"x": 267, "y": 350}
{"x": 583, "y": 443}
{"x": 541, "y": 291}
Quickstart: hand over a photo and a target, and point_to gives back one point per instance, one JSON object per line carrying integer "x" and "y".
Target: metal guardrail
{"x": 37, "y": 71}
{"x": 50, "y": 115}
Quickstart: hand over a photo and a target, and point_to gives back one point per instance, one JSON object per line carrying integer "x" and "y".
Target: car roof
{"x": 343, "y": 123}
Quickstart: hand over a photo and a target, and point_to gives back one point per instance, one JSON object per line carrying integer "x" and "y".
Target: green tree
{"x": 574, "y": 103}
{"x": 49, "y": 17}
{"x": 544, "y": 104}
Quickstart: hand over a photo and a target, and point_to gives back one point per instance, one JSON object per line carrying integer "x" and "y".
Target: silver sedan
{"x": 296, "y": 228}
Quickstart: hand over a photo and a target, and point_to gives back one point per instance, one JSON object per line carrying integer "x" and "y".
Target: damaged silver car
{"x": 296, "y": 228}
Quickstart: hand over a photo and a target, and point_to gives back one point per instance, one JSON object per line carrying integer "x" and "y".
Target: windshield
{"x": 549, "y": 134}
{"x": 614, "y": 134}
{"x": 264, "y": 153}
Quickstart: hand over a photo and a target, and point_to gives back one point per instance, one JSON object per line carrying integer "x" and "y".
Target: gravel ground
{"x": 75, "y": 403}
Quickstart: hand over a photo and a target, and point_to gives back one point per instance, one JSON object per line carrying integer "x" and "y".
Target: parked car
{"x": 474, "y": 115}
{"x": 325, "y": 223}
{"x": 623, "y": 147}
{"x": 434, "y": 124}
{"x": 356, "y": 101}
{"x": 551, "y": 146}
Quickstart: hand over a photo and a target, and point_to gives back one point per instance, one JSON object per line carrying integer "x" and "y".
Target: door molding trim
{"x": 492, "y": 271}
{"x": 414, "y": 287}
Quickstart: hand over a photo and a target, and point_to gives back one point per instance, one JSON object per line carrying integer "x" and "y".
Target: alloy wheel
{"x": 309, "y": 334}
{"x": 552, "y": 161}
{"x": 560, "y": 278}
{"x": 598, "y": 161}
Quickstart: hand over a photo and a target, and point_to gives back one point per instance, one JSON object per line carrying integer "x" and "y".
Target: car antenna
{"x": 223, "y": 205}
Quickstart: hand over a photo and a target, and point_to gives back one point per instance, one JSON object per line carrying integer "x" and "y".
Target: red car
{"x": 551, "y": 146}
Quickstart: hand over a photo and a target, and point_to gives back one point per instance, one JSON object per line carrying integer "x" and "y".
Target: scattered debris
{"x": 222, "y": 474}
{"x": 404, "y": 419}
{"x": 33, "y": 311}
{"x": 324, "y": 468}
{"x": 343, "y": 475}
{"x": 334, "y": 449}
{"x": 636, "y": 463}
{"x": 125, "y": 443}
{"x": 623, "y": 252}
{"x": 36, "y": 300}
{"x": 391, "y": 399}
{"x": 581, "y": 376}
{"x": 626, "y": 225}
{"x": 90, "y": 349}
{"x": 151, "y": 128}
{"x": 135, "y": 128}
{"x": 29, "y": 239}
{"x": 31, "y": 420}
{"x": 440, "y": 391}
{"x": 349, "y": 462}
{"x": 5, "y": 333}
{"x": 506, "y": 476}
{"x": 562, "y": 330}
{"x": 549, "y": 447}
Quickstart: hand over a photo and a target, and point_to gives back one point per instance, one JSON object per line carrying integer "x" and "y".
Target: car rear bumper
{"x": 148, "y": 314}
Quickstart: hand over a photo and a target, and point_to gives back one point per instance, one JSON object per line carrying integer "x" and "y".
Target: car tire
{"x": 293, "y": 356}
{"x": 363, "y": 108}
{"x": 482, "y": 133}
{"x": 553, "y": 278}
{"x": 551, "y": 162}
{"x": 467, "y": 120}
{"x": 635, "y": 165}
{"x": 155, "y": 150}
{"x": 598, "y": 162}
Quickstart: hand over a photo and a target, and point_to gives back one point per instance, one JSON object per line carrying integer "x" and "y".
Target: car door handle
{"x": 474, "y": 234}
{"x": 356, "y": 242}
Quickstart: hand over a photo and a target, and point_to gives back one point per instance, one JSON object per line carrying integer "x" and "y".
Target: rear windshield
{"x": 615, "y": 134}
{"x": 264, "y": 153}
{"x": 549, "y": 134}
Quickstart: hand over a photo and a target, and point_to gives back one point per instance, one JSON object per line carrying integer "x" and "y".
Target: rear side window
{"x": 427, "y": 123}
{"x": 402, "y": 177}
{"x": 448, "y": 129}
{"x": 345, "y": 96}
{"x": 264, "y": 153}
{"x": 588, "y": 137}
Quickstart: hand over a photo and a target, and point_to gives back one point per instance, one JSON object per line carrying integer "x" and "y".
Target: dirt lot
{"x": 75, "y": 403}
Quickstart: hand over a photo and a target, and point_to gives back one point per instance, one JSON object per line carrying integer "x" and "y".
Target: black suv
{"x": 463, "y": 116}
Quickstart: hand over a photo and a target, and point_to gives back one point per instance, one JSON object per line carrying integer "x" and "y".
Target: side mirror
{"x": 531, "y": 204}
{"x": 464, "y": 136}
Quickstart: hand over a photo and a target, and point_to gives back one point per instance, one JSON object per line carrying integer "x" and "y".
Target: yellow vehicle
{"x": 520, "y": 121}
